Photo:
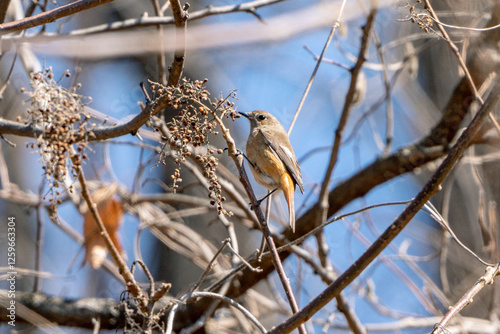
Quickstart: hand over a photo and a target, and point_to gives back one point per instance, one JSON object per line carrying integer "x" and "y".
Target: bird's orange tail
{"x": 288, "y": 187}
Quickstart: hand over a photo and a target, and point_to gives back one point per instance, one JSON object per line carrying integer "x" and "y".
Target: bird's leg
{"x": 238, "y": 152}
{"x": 244, "y": 156}
{"x": 263, "y": 198}
{"x": 254, "y": 167}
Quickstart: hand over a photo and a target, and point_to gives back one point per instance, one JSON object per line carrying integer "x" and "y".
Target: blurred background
{"x": 268, "y": 59}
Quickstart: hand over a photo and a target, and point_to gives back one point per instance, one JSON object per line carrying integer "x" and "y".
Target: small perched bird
{"x": 271, "y": 158}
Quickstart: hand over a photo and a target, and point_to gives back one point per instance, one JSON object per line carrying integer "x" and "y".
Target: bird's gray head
{"x": 261, "y": 118}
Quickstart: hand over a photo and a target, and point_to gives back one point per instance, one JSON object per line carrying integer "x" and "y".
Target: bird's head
{"x": 260, "y": 118}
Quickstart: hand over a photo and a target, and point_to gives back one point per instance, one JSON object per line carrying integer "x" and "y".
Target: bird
{"x": 271, "y": 158}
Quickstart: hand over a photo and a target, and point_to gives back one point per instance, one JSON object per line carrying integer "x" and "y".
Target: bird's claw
{"x": 257, "y": 203}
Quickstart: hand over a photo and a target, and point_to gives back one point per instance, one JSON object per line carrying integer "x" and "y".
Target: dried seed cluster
{"x": 422, "y": 19}
{"x": 192, "y": 125}
{"x": 59, "y": 112}
{"x": 210, "y": 163}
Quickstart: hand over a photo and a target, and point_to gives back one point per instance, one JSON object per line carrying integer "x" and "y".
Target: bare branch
{"x": 145, "y": 21}
{"x": 69, "y": 312}
{"x": 486, "y": 279}
{"x": 132, "y": 285}
{"x": 348, "y": 104}
{"x": 50, "y": 16}
{"x": 318, "y": 62}
{"x": 180, "y": 17}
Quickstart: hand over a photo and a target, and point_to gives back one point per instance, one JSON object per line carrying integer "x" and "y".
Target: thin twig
{"x": 268, "y": 214}
{"x": 147, "y": 273}
{"x": 457, "y": 27}
{"x": 211, "y": 264}
{"x": 160, "y": 57}
{"x": 318, "y": 62}
{"x": 180, "y": 17}
{"x": 486, "y": 279}
{"x": 231, "y": 302}
{"x": 43, "y": 18}
{"x": 97, "y": 325}
{"x": 435, "y": 214}
{"x": 245, "y": 262}
{"x": 50, "y": 16}
{"x": 456, "y": 52}
{"x": 388, "y": 99}
{"x": 132, "y": 285}
{"x": 4, "y": 171}
{"x": 38, "y": 242}
{"x": 323, "y": 195}
{"x": 9, "y": 74}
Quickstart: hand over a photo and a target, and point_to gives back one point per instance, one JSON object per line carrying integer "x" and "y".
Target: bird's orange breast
{"x": 267, "y": 166}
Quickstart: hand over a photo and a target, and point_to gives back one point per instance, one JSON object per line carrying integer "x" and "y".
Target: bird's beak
{"x": 244, "y": 114}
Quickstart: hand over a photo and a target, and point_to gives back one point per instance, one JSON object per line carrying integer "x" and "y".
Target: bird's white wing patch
{"x": 287, "y": 151}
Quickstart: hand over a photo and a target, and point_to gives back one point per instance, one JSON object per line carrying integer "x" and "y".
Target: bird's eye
{"x": 261, "y": 117}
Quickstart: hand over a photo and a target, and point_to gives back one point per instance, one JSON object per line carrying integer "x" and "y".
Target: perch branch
{"x": 238, "y": 161}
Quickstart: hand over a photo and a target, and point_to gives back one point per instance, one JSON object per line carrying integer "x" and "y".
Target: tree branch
{"x": 71, "y": 312}
{"x": 180, "y": 17}
{"x": 98, "y": 133}
{"x": 316, "y": 67}
{"x": 128, "y": 277}
{"x": 486, "y": 279}
{"x": 50, "y": 16}
{"x": 339, "y": 132}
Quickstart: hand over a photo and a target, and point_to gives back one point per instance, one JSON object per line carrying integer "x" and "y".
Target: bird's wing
{"x": 284, "y": 153}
